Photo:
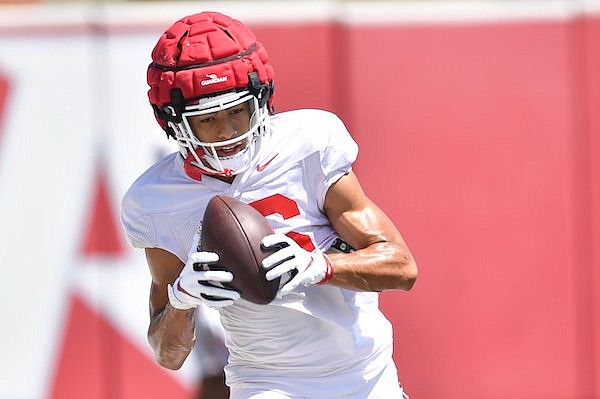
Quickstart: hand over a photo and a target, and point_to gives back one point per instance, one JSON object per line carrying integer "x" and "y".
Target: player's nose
{"x": 226, "y": 129}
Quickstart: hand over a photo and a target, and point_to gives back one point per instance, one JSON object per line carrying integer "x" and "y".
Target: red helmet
{"x": 205, "y": 63}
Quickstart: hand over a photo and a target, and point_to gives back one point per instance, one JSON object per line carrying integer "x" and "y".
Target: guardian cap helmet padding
{"x": 205, "y": 63}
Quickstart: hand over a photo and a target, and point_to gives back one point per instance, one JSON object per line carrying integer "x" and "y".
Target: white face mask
{"x": 226, "y": 166}
{"x": 237, "y": 162}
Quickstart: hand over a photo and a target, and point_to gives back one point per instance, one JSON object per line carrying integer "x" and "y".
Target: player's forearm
{"x": 171, "y": 334}
{"x": 379, "y": 267}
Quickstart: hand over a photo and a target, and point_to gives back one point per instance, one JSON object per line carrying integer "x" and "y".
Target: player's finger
{"x": 215, "y": 302}
{"x": 214, "y": 291}
{"x": 288, "y": 287}
{"x": 280, "y": 270}
{"x": 278, "y": 257}
{"x": 221, "y": 276}
{"x": 275, "y": 239}
{"x": 204, "y": 257}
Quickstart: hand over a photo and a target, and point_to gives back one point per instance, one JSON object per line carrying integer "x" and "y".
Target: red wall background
{"x": 481, "y": 141}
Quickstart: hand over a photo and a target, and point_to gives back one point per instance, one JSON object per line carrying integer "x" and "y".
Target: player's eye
{"x": 206, "y": 119}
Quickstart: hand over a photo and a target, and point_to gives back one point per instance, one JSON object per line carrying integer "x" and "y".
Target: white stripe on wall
{"x": 162, "y": 14}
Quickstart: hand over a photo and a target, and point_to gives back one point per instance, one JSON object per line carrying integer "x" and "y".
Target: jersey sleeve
{"x": 337, "y": 154}
{"x": 159, "y": 210}
{"x": 139, "y": 228}
{"x": 170, "y": 230}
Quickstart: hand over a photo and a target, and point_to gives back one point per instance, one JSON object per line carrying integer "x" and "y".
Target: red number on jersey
{"x": 287, "y": 208}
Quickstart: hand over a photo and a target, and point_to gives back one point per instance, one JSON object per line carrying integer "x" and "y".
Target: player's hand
{"x": 306, "y": 267}
{"x": 197, "y": 285}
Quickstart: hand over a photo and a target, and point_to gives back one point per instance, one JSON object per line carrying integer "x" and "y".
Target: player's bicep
{"x": 164, "y": 269}
{"x": 356, "y": 218}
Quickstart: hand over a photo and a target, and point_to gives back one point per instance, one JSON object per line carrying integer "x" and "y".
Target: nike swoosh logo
{"x": 262, "y": 167}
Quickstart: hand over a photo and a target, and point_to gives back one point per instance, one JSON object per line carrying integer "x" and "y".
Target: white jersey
{"x": 317, "y": 342}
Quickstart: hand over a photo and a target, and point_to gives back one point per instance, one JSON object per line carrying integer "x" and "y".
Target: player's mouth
{"x": 224, "y": 152}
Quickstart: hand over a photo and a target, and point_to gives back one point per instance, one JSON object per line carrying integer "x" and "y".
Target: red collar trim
{"x": 193, "y": 172}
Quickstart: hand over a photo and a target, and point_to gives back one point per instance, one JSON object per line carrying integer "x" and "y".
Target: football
{"x": 234, "y": 231}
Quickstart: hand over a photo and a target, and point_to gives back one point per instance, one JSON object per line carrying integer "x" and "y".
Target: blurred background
{"x": 479, "y": 131}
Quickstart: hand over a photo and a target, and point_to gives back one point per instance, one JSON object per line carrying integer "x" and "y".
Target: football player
{"x": 211, "y": 89}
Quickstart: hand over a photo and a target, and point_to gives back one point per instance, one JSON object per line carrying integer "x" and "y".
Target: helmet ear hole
{"x": 177, "y": 102}
{"x": 163, "y": 117}
{"x": 259, "y": 90}
{"x": 270, "y": 102}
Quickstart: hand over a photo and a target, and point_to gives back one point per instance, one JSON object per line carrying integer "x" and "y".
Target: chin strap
{"x": 192, "y": 170}
{"x": 195, "y": 173}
